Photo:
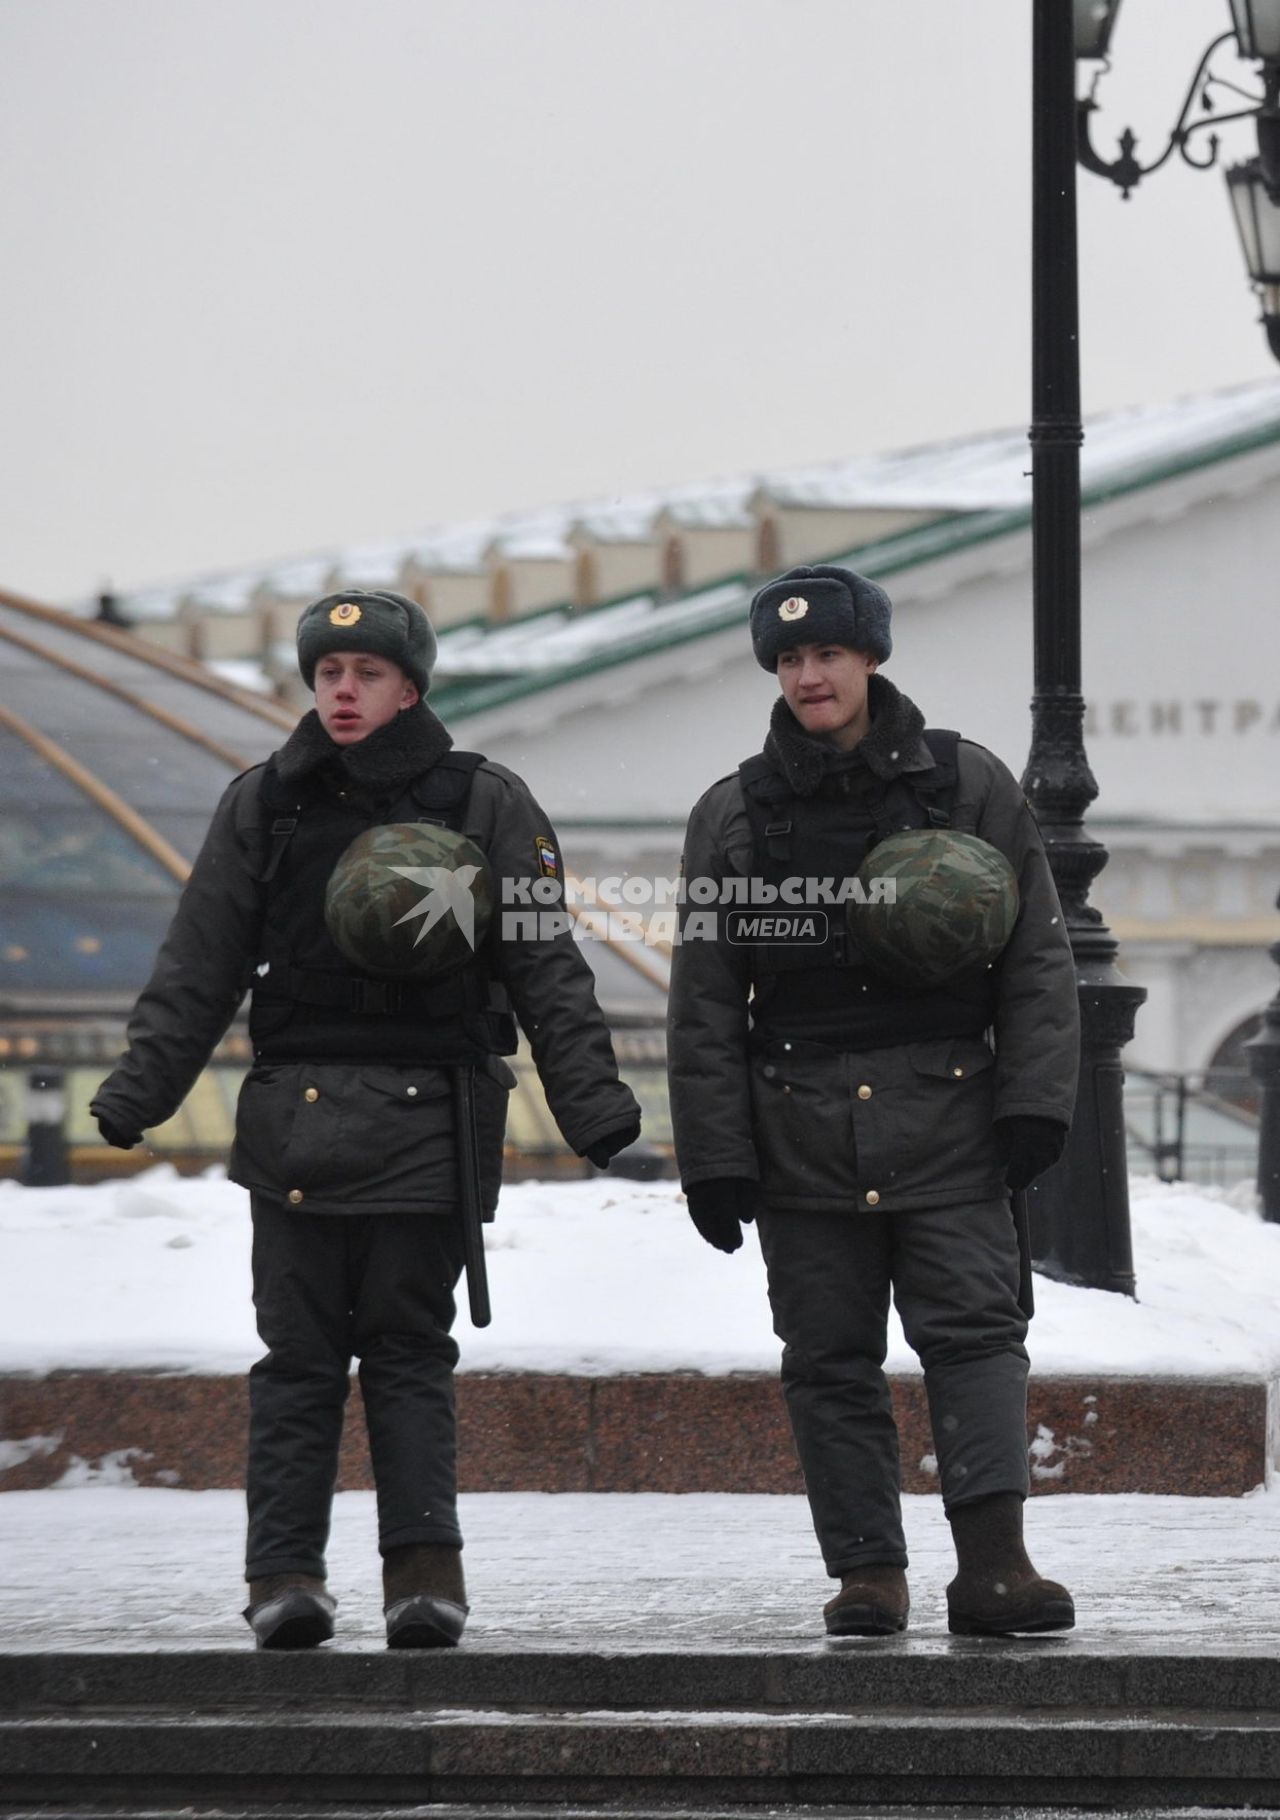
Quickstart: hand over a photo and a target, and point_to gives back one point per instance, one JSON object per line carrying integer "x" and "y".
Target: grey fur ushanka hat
{"x": 368, "y": 619}
{"x": 820, "y": 605}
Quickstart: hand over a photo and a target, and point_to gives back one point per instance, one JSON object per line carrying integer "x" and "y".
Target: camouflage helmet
{"x": 409, "y": 900}
{"x": 952, "y": 906}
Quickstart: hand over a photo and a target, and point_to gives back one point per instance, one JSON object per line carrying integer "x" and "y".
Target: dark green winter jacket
{"x": 329, "y": 1133}
{"x": 829, "y": 1125}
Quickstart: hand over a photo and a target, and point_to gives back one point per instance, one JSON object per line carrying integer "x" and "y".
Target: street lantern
{"x": 1254, "y": 189}
{"x": 1093, "y": 22}
{"x": 1255, "y": 30}
{"x": 1258, "y": 220}
{"x": 1257, "y": 24}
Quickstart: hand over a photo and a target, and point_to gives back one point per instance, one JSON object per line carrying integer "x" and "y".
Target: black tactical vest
{"x": 816, "y": 988}
{"x": 307, "y": 1002}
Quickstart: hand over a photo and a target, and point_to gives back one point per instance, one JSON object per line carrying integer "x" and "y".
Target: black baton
{"x": 468, "y": 1151}
{"x": 1022, "y": 1226}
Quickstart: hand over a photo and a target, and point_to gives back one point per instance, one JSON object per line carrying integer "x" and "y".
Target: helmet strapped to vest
{"x": 409, "y": 901}
{"x": 932, "y": 904}
{"x": 831, "y": 993}
{"x": 312, "y": 998}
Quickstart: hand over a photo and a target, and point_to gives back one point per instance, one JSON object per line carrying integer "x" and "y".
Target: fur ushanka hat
{"x": 368, "y": 619}
{"x": 820, "y": 605}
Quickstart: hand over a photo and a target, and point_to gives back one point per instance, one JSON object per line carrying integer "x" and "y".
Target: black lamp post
{"x": 1079, "y": 1211}
{"x": 1263, "y": 1051}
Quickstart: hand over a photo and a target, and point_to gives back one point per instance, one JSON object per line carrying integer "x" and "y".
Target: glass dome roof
{"x": 112, "y": 757}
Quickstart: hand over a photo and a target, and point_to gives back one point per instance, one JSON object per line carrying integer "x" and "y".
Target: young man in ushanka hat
{"x": 347, "y": 1129}
{"x": 866, "y": 1061}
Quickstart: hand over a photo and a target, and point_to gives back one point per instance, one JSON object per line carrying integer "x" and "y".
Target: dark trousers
{"x": 953, "y": 1273}
{"x": 329, "y": 1288}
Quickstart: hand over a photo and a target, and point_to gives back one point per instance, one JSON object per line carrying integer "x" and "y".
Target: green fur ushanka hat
{"x": 368, "y": 619}
{"x": 817, "y": 606}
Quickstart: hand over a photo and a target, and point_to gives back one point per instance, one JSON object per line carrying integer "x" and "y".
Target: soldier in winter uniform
{"x": 873, "y": 1127}
{"x": 346, "y": 1132}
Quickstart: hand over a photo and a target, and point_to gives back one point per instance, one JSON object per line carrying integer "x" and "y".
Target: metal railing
{"x": 1200, "y": 1127}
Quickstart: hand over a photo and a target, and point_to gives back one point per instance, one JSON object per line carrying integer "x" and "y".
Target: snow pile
{"x": 597, "y": 1276}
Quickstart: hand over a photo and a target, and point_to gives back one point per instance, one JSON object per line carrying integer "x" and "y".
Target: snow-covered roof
{"x": 303, "y": 579}
{"x": 973, "y": 487}
{"x": 554, "y": 640}
{"x": 541, "y": 541}
{"x": 626, "y": 522}
{"x": 982, "y": 473}
{"x": 726, "y": 513}
{"x": 227, "y": 594}
{"x": 368, "y": 566}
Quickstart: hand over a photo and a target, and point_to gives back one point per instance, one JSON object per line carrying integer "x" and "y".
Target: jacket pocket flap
{"x": 413, "y": 1085}
{"x": 952, "y": 1060}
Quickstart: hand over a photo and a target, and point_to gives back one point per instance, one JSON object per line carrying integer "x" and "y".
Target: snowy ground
{"x": 604, "y": 1276}
{"x": 145, "y": 1569}
{"x": 598, "y": 1276}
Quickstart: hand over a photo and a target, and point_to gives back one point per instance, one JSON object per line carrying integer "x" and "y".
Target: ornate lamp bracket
{"x": 1125, "y": 171}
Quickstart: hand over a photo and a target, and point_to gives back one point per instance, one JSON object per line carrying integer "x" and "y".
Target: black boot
{"x": 290, "y": 1611}
{"x": 872, "y": 1602}
{"x": 424, "y": 1596}
{"x": 997, "y": 1590}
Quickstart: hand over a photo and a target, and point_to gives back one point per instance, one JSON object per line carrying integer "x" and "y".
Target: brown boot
{"x": 290, "y": 1611}
{"x": 997, "y": 1590}
{"x": 872, "y": 1602}
{"x": 424, "y": 1596}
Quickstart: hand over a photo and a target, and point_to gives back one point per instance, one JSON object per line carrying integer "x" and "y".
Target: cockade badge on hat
{"x": 795, "y": 608}
{"x": 346, "y": 613}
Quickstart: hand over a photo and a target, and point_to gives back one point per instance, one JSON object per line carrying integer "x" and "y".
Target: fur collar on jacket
{"x": 890, "y": 747}
{"x": 388, "y": 760}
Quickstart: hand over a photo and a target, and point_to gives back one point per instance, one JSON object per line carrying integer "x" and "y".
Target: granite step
{"x": 644, "y": 1432}
{"x": 1017, "y": 1725}
{"x": 1073, "y": 1758}
{"x": 1028, "y": 1675}
{"x": 560, "y": 1810}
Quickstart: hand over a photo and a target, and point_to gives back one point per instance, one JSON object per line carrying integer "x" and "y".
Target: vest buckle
{"x": 375, "y": 997}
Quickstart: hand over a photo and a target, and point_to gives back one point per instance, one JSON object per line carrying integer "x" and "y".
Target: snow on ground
{"x": 597, "y": 1276}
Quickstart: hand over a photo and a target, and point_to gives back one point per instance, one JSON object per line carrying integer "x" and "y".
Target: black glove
{"x": 115, "y": 1135}
{"x": 607, "y": 1147}
{"x": 1027, "y": 1146}
{"x": 718, "y": 1209}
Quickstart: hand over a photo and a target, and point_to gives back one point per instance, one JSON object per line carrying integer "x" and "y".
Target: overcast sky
{"x": 285, "y": 275}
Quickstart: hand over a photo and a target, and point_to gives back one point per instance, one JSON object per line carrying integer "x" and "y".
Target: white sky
{"x": 281, "y": 275}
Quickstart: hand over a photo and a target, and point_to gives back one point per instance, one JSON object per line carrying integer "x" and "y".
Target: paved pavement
{"x": 107, "y": 1568}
